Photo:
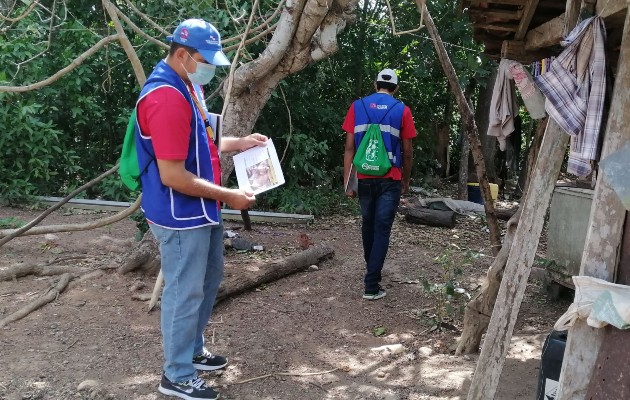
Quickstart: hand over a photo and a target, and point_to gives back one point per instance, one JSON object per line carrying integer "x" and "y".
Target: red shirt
{"x": 165, "y": 116}
{"x": 407, "y": 131}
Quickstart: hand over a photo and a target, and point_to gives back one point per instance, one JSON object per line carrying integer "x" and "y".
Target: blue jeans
{"x": 192, "y": 265}
{"x": 379, "y": 198}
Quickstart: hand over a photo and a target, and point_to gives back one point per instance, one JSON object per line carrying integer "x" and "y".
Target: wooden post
{"x": 499, "y": 335}
{"x": 471, "y": 127}
{"x": 603, "y": 238}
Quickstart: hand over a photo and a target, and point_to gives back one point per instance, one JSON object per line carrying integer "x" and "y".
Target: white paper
{"x": 258, "y": 169}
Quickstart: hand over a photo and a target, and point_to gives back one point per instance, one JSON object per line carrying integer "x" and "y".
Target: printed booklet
{"x": 258, "y": 169}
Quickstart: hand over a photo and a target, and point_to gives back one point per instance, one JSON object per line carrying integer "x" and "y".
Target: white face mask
{"x": 203, "y": 74}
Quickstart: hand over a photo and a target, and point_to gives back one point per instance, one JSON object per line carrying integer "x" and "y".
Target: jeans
{"x": 192, "y": 266}
{"x": 379, "y": 198}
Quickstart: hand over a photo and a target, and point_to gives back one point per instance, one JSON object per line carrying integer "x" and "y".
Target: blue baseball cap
{"x": 201, "y": 36}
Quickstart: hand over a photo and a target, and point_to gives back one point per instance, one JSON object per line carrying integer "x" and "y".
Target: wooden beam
{"x": 603, "y": 238}
{"x": 515, "y": 50}
{"x": 498, "y": 27}
{"x": 606, "y": 8}
{"x": 507, "y": 2}
{"x": 485, "y": 13}
{"x": 528, "y": 14}
{"x": 497, "y": 341}
{"x": 551, "y": 32}
{"x": 547, "y": 34}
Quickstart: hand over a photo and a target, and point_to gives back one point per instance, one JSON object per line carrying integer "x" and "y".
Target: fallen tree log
{"x": 45, "y": 299}
{"x": 237, "y": 282}
{"x": 427, "y": 216}
{"x": 504, "y": 214}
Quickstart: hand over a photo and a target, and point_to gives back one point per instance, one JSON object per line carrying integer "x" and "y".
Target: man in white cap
{"x": 379, "y": 195}
{"x": 182, "y": 192}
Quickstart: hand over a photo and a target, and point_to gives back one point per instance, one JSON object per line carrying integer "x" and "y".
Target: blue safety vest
{"x": 162, "y": 205}
{"x": 383, "y": 108}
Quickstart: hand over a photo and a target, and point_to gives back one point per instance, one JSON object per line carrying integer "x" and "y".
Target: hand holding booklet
{"x": 258, "y": 169}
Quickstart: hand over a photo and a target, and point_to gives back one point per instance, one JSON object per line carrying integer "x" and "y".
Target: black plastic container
{"x": 550, "y": 365}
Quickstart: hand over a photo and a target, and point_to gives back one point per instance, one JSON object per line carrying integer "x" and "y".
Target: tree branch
{"x": 146, "y": 18}
{"x": 52, "y": 294}
{"x": 41, "y": 230}
{"x": 125, "y": 43}
{"x": 21, "y": 16}
{"x": 139, "y": 31}
{"x": 75, "y": 63}
{"x": 259, "y": 27}
{"x": 275, "y": 51}
{"x": 254, "y": 38}
{"x": 17, "y": 232}
{"x": 230, "y": 83}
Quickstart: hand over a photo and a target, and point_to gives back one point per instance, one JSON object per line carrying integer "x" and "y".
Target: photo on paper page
{"x": 258, "y": 169}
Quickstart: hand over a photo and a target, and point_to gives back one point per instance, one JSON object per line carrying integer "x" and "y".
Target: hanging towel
{"x": 503, "y": 106}
{"x": 575, "y": 86}
{"x": 532, "y": 96}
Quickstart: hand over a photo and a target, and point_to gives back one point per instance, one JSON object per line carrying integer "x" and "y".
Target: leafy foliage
{"x": 449, "y": 297}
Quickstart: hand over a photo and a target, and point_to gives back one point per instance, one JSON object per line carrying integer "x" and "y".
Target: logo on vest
{"x": 375, "y": 106}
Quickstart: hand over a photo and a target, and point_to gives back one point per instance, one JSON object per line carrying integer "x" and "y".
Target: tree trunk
{"x": 144, "y": 256}
{"x": 482, "y": 117}
{"x": 443, "y": 129}
{"x": 306, "y": 33}
{"x": 462, "y": 182}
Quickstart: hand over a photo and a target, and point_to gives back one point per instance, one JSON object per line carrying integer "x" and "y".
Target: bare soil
{"x": 313, "y": 326}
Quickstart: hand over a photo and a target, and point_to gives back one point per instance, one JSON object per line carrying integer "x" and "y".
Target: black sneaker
{"x": 375, "y": 295}
{"x": 195, "y": 388}
{"x": 207, "y": 361}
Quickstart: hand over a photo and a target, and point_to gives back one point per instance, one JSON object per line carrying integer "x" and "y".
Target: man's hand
{"x": 255, "y": 139}
{"x": 232, "y": 144}
{"x": 405, "y": 187}
{"x": 351, "y": 193}
{"x": 240, "y": 199}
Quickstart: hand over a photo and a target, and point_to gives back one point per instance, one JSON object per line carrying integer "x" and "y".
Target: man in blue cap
{"x": 182, "y": 192}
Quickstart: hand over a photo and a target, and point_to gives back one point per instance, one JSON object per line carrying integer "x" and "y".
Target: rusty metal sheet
{"x": 611, "y": 376}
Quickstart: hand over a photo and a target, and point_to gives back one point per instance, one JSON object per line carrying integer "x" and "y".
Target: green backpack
{"x": 129, "y": 168}
{"x": 371, "y": 157}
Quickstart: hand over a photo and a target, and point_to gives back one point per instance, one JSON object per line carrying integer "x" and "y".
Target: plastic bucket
{"x": 474, "y": 192}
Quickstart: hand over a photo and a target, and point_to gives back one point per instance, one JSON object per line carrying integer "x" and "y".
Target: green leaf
{"x": 378, "y": 331}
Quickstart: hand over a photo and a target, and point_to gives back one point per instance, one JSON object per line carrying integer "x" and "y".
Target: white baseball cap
{"x": 387, "y": 75}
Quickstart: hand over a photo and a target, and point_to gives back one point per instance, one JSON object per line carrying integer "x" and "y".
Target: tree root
{"x": 285, "y": 373}
{"x": 20, "y": 271}
{"x": 51, "y": 295}
{"x": 145, "y": 256}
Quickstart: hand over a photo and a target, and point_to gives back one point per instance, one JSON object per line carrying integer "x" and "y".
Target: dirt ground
{"x": 95, "y": 342}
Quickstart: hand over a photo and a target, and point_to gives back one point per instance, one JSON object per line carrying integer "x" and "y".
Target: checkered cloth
{"x": 575, "y": 87}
